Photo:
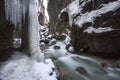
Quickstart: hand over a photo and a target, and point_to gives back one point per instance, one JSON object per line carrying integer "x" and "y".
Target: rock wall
{"x": 105, "y": 44}
{"x": 54, "y": 8}
{"x": 41, "y": 11}
{"x": 98, "y": 33}
{"x": 6, "y": 30}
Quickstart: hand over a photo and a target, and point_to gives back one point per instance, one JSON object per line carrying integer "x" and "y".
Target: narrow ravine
{"x": 41, "y": 55}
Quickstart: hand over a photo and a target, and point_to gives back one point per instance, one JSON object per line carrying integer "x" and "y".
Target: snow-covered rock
{"x": 17, "y": 42}
{"x": 53, "y": 42}
{"x": 95, "y": 24}
{"x": 98, "y": 30}
{"x": 54, "y": 52}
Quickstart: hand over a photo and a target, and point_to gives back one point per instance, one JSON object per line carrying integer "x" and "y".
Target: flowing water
{"x": 79, "y": 67}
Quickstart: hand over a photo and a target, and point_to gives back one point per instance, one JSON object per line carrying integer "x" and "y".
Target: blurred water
{"x": 85, "y": 68}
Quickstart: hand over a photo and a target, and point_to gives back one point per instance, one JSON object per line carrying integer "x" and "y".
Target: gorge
{"x": 74, "y": 40}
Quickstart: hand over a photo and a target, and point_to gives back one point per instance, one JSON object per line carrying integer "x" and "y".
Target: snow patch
{"x": 67, "y": 40}
{"x": 90, "y": 16}
{"x": 74, "y": 8}
{"x": 98, "y": 30}
{"x": 21, "y": 67}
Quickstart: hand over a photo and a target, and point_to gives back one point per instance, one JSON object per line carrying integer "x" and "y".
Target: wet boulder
{"x": 56, "y": 47}
{"x": 42, "y": 46}
{"x": 60, "y": 37}
{"x": 53, "y": 42}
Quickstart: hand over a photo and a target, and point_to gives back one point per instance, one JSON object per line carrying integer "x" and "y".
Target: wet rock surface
{"x": 81, "y": 70}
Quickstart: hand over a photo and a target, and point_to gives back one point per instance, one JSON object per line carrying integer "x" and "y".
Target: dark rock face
{"x": 41, "y": 18}
{"x": 60, "y": 37}
{"x": 94, "y": 5}
{"x": 62, "y": 23}
{"x": 6, "y": 30}
{"x": 106, "y": 44}
{"x": 54, "y": 8}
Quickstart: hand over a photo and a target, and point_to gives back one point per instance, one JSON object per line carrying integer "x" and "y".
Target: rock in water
{"x": 76, "y": 67}
{"x": 56, "y": 47}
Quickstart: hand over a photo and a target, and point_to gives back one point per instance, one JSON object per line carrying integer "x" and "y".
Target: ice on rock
{"x": 34, "y": 32}
{"x": 15, "y": 12}
{"x": 73, "y": 8}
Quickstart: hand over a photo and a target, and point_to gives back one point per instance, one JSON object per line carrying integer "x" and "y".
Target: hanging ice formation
{"x": 15, "y": 12}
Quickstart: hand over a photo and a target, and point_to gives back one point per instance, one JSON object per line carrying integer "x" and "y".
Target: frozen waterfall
{"x": 15, "y": 12}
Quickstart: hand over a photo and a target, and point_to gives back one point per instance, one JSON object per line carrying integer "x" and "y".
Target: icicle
{"x": 15, "y": 10}
{"x": 34, "y": 32}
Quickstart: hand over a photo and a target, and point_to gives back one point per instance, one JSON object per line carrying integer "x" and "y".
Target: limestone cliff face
{"x": 105, "y": 44}
{"x": 95, "y": 27}
{"x": 54, "y": 8}
{"x": 6, "y": 30}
